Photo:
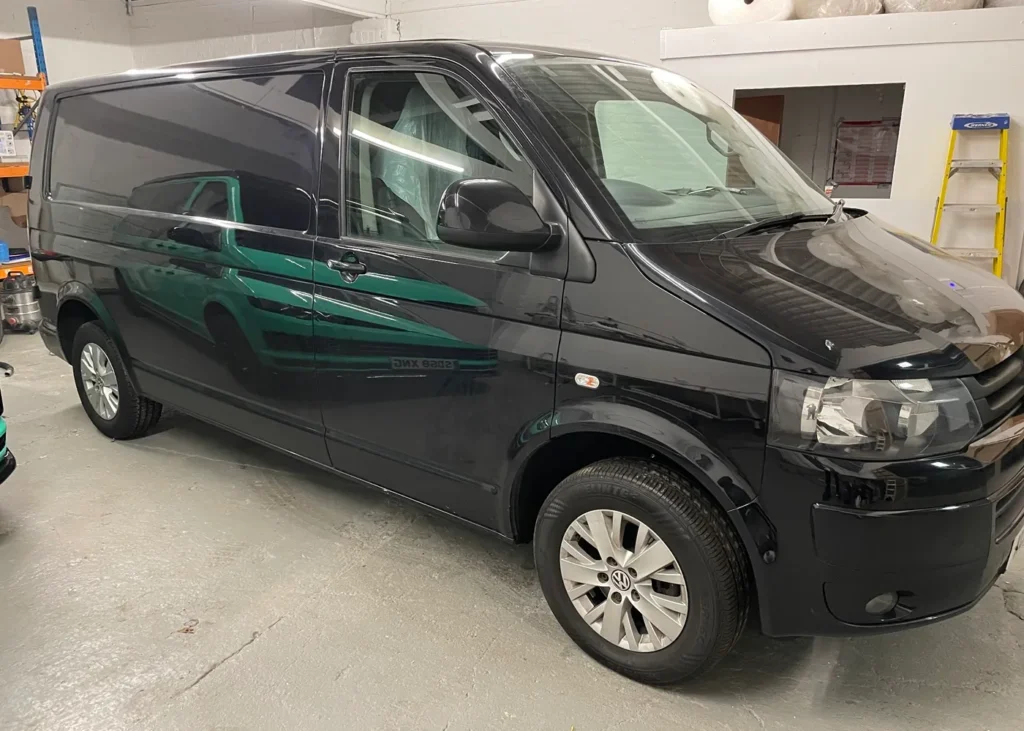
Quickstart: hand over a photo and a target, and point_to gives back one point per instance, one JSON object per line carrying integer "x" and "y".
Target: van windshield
{"x": 673, "y": 159}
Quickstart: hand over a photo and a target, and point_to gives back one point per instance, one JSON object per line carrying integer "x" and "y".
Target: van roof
{"x": 467, "y": 52}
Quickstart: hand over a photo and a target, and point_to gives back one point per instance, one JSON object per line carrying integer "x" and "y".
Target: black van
{"x": 568, "y": 299}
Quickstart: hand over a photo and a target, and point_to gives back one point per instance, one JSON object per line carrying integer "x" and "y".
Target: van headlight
{"x": 883, "y": 420}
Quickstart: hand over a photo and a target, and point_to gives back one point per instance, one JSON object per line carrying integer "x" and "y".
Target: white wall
{"x": 195, "y": 30}
{"x": 953, "y": 62}
{"x": 615, "y": 27}
{"x": 80, "y": 37}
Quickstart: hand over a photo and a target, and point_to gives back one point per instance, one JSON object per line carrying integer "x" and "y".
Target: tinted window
{"x": 410, "y": 137}
{"x": 142, "y": 147}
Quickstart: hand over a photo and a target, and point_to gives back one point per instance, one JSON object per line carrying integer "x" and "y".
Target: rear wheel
{"x": 106, "y": 390}
{"x": 642, "y": 570}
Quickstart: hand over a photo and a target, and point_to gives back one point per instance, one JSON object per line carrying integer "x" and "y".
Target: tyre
{"x": 633, "y": 542}
{"x": 106, "y": 391}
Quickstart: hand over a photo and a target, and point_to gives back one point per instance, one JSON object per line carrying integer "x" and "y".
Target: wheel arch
{"x": 586, "y": 433}
{"x": 78, "y": 304}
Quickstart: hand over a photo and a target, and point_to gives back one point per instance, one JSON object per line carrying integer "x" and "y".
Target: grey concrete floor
{"x": 190, "y": 580}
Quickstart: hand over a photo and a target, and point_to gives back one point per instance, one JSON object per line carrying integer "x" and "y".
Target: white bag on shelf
{"x": 733, "y": 12}
{"x": 923, "y": 6}
{"x": 836, "y": 8}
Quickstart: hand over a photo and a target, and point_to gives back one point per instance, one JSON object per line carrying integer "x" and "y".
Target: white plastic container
{"x": 734, "y": 12}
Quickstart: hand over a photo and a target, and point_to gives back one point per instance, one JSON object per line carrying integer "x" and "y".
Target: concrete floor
{"x": 190, "y": 580}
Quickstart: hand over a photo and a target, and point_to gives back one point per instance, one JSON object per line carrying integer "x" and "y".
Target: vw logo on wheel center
{"x": 621, "y": 580}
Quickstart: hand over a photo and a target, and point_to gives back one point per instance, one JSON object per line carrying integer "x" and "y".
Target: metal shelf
{"x": 13, "y": 169}
{"x": 22, "y": 83}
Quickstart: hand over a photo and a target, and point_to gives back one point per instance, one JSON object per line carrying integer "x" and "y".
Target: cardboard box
{"x": 12, "y": 59}
{"x": 16, "y": 202}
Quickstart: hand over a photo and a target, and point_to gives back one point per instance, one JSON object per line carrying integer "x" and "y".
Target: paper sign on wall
{"x": 7, "y": 144}
{"x": 865, "y": 152}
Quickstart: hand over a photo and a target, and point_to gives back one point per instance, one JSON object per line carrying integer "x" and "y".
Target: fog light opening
{"x": 882, "y": 604}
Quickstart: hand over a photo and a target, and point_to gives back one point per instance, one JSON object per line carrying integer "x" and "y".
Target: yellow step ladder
{"x": 967, "y": 124}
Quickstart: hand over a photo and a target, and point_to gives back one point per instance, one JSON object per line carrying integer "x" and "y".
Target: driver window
{"x": 410, "y": 136}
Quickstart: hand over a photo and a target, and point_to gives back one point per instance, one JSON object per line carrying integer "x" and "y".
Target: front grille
{"x": 998, "y": 390}
{"x": 1009, "y": 511}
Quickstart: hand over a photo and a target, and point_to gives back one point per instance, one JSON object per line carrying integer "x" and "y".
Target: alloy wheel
{"x": 100, "y": 381}
{"x": 623, "y": 580}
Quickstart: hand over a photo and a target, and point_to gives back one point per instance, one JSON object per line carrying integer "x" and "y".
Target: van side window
{"x": 410, "y": 136}
{"x": 152, "y": 147}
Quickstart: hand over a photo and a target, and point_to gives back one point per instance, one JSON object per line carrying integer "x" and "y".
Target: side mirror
{"x": 190, "y": 237}
{"x": 480, "y": 213}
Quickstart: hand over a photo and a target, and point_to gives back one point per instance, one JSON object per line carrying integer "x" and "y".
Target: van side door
{"x": 194, "y": 202}
{"x": 434, "y": 362}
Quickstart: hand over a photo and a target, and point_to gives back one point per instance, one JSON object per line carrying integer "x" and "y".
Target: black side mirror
{"x": 191, "y": 237}
{"x": 480, "y": 213}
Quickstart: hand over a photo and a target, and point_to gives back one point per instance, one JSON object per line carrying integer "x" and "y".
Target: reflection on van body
{"x": 231, "y": 286}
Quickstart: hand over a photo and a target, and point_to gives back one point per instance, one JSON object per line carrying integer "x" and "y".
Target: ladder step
{"x": 972, "y": 253}
{"x": 976, "y": 164}
{"x": 971, "y": 207}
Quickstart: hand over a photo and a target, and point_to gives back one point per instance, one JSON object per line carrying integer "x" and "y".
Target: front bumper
{"x": 937, "y": 532}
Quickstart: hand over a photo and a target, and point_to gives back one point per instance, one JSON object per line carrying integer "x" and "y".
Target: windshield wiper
{"x": 706, "y": 190}
{"x": 837, "y": 210}
{"x": 767, "y": 224}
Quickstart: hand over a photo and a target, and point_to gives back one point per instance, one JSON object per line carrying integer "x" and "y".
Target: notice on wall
{"x": 7, "y": 144}
{"x": 865, "y": 152}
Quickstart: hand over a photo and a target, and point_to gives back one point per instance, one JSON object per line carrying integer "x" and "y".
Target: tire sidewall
{"x": 92, "y": 333}
{"x": 703, "y": 624}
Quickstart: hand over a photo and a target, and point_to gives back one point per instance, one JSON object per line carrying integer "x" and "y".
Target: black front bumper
{"x": 937, "y": 532}
{"x": 7, "y": 465}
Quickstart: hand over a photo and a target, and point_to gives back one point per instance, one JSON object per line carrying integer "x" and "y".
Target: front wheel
{"x": 642, "y": 570}
{"x": 105, "y": 388}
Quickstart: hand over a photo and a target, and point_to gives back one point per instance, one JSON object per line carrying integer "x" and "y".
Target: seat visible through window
{"x": 410, "y": 137}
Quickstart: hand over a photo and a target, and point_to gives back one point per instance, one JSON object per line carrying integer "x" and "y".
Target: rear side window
{"x": 152, "y": 147}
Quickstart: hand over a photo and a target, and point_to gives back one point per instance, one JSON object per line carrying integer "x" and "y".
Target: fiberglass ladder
{"x": 966, "y": 124}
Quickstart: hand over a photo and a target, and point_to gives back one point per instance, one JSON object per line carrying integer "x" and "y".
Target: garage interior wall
{"x": 81, "y": 37}
{"x": 181, "y": 31}
{"x": 628, "y": 29}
